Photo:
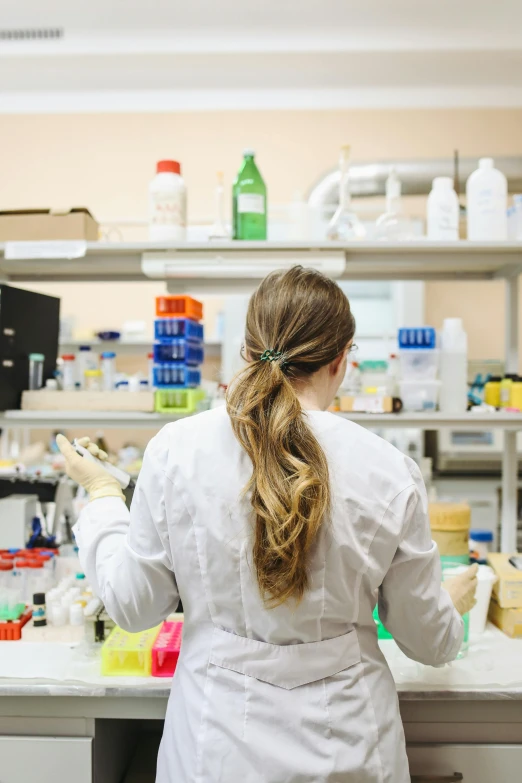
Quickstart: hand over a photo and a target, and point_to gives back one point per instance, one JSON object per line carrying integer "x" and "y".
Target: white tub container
{"x": 419, "y": 396}
{"x": 479, "y": 614}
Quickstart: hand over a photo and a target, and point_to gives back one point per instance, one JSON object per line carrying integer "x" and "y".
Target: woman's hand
{"x": 462, "y": 589}
{"x": 96, "y": 480}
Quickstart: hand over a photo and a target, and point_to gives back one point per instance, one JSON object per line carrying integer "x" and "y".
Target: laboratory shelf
{"x": 510, "y": 422}
{"x": 231, "y": 264}
{"x": 129, "y": 347}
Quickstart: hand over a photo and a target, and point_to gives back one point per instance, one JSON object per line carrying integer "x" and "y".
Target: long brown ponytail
{"x": 303, "y": 320}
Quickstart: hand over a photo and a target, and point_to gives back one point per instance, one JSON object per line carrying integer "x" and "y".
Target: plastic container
{"x": 392, "y": 225}
{"x": 480, "y": 542}
{"x": 516, "y": 394}
{"x": 108, "y": 369}
{"x": 166, "y": 328}
{"x": 179, "y": 306}
{"x": 12, "y": 631}
{"x": 36, "y": 367}
{"x": 86, "y": 360}
{"x": 177, "y": 401}
{"x": 374, "y": 377}
{"x": 93, "y": 380}
{"x": 178, "y": 350}
{"x": 419, "y": 395}
{"x": 419, "y": 364}
{"x": 486, "y": 196}
{"x": 166, "y": 649}
{"x": 417, "y": 337}
{"x": 478, "y": 616}
{"x": 492, "y": 391}
{"x": 128, "y": 654}
{"x": 176, "y": 375}
{"x": 453, "y": 367}
{"x": 69, "y": 372}
{"x": 39, "y": 610}
{"x": 443, "y": 211}
{"x": 167, "y": 203}
{"x": 506, "y": 385}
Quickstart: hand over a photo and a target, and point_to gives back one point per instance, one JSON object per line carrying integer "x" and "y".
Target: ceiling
{"x": 174, "y": 54}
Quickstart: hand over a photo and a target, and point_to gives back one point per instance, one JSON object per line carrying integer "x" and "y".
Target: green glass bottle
{"x": 249, "y": 205}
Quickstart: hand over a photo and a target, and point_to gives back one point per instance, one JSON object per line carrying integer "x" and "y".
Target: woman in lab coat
{"x": 279, "y": 525}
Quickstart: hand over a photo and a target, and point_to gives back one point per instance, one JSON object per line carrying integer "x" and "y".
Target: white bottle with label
{"x": 167, "y": 203}
{"x": 453, "y": 367}
{"x": 486, "y": 196}
{"x": 443, "y": 211}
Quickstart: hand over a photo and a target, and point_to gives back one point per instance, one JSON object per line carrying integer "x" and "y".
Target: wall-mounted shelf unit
{"x": 236, "y": 266}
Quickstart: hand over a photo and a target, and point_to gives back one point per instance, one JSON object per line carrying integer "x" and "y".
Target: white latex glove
{"x": 462, "y": 589}
{"x": 96, "y": 480}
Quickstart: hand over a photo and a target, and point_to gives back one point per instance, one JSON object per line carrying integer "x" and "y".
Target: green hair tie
{"x": 270, "y": 355}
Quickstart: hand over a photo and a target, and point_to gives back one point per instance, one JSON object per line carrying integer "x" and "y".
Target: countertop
{"x": 492, "y": 670}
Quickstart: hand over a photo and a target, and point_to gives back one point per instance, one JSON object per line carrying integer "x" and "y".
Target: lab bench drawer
{"x": 45, "y": 759}
{"x": 466, "y": 763}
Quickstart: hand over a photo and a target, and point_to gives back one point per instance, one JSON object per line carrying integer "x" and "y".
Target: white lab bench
{"x": 465, "y": 718}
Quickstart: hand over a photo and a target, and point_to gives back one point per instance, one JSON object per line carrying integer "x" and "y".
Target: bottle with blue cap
{"x": 108, "y": 368}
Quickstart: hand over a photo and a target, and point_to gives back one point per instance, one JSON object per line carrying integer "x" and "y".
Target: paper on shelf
{"x": 48, "y": 249}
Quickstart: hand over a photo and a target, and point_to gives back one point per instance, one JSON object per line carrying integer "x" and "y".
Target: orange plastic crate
{"x": 173, "y": 306}
{"x": 11, "y": 630}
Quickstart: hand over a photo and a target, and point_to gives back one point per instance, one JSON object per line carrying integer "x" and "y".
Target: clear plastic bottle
{"x": 443, "y": 211}
{"x": 219, "y": 229}
{"x": 86, "y": 360}
{"x": 345, "y": 225}
{"x": 392, "y": 225}
{"x": 167, "y": 203}
{"x": 68, "y": 372}
{"x": 108, "y": 368}
{"x": 453, "y": 367}
{"x": 486, "y": 197}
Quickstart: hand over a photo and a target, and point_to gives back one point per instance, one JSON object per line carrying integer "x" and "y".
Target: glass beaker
{"x": 36, "y": 366}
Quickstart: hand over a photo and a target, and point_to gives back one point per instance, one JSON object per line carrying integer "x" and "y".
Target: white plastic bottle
{"x": 85, "y": 360}
{"x": 453, "y": 367}
{"x": 167, "y": 203}
{"x": 443, "y": 211}
{"x": 486, "y": 196}
{"x": 69, "y": 371}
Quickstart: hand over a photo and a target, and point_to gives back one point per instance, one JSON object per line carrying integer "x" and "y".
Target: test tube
{"x": 36, "y": 366}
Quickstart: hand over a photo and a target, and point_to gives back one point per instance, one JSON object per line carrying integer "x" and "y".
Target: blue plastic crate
{"x": 176, "y": 376}
{"x": 178, "y": 350}
{"x": 417, "y": 337}
{"x": 166, "y": 328}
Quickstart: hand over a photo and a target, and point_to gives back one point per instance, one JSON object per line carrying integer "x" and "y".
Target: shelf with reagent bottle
{"x": 232, "y": 264}
{"x": 16, "y": 419}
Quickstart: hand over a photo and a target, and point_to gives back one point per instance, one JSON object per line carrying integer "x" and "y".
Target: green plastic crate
{"x": 178, "y": 401}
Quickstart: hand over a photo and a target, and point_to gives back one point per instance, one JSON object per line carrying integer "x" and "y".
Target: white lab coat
{"x": 292, "y": 694}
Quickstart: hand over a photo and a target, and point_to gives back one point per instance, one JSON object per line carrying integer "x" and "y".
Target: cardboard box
{"x": 369, "y": 403}
{"x": 508, "y": 620}
{"x": 124, "y": 402}
{"x": 508, "y": 590}
{"x": 32, "y": 225}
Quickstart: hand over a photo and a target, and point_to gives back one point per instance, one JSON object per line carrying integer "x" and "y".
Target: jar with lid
{"x": 93, "y": 380}
{"x": 492, "y": 391}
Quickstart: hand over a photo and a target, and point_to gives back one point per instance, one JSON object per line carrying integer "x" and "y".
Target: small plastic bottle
{"x": 108, "y": 368}
{"x": 93, "y": 380}
{"x": 39, "y": 613}
{"x": 486, "y": 196}
{"x": 86, "y": 360}
{"x": 36, "y": 367}
{"x": 443, "y": 211}
{"x": 167, "y": 203}
{"x": 69, "y": 371}
{"x": 392, "y": 224}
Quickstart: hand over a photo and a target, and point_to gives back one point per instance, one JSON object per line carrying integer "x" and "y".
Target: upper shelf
{"x": 231, "y": 264}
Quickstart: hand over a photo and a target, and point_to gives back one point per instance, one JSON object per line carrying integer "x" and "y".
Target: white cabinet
{"x": 466, "y": 763}
{"x": 45, "y": 759}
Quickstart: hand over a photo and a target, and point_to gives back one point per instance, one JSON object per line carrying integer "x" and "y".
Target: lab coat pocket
{"x": 286, "y": 666}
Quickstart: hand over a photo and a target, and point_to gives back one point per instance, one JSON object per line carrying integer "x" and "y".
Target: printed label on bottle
{"x": 252, "y": 203}
{"x": 168, "y": 209}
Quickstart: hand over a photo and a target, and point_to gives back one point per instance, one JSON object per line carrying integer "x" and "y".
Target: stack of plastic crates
{"x": 178, "y": 354}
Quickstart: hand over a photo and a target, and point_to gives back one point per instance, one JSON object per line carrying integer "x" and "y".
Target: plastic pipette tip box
{"x": 423, "y": 337}
{"x": 179, "y": 306}
{"x": 179, "y": 401}
{"x": 176, "y": 375}
{"x": 165, "y": 652}
{"x": 11, "y": 630}
{"x": 128, "y": 654}
{"x": 167, "y": 328}
{"x": 178, "y": 349}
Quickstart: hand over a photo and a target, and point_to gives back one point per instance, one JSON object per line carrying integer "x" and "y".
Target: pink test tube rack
{"x": 165, "y": 652}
